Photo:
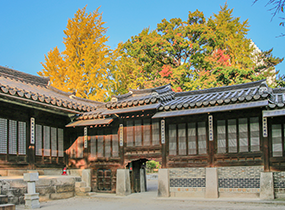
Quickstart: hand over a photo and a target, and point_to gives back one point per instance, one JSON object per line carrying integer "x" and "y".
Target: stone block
{"x": 163, "y": 183}
{"x": 3, "y": 199}
{"x": 80, "y": 184}
{"x": 43, "y": 198}
{"x": 123, "y": 186}
{"x": 45, "y": 190}
{"x": 31, "y": 177}
{"x": 266, "y": 186}
{"x": 64, "y": 195}
{"x": 7, "y": 207}
{"x": 16, "y": 172}
{"x": 64, "y": 188}
{"x": 32, "y": 201}
{"x": 211, "y": 183}
{"x": 86, "y": 177}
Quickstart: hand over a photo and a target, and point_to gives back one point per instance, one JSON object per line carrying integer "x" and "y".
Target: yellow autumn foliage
{"x": 82, "y": 67}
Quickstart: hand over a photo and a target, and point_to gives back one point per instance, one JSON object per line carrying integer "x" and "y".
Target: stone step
{"x": 3, "y": 199}
{"x": 7, "y": 207}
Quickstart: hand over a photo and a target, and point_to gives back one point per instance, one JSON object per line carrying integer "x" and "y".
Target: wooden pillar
{"x": 265, "y": 138}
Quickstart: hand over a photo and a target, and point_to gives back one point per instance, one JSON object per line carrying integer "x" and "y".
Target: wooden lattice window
{"x": 108, "y": 146}
{"x": 277, "y": 140}
{"x": 172, "y": 139}
{"x": 22, "y": 138}
{"x": 130, "y": 133}
{"x": 12, "y": 137}
{"x": 46, "y": 140}
{"x": 155, "y": 132}
{"x": 39, "y": 140}
{"x": 60, "y": 138}
{"x": 3, "y": 136}
{"x": 182, "y": 139}
{"x": 115, "y": 144}
{"x": 192, "y": 146}
{"x": 53, "y": 138}
{"x": 146, "y": 132}
{"x": 138, "y": 133}
{"x": 238, "y": 135}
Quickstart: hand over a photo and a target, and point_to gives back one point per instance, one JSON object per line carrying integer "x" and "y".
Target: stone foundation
{"x": 48, "y": 187}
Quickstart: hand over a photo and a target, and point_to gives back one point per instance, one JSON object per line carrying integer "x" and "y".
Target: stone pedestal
{"x": 31, "y": 198}
{"x": 163, "y": 183}
{"x": 211, "y": 183}
{"x": 266, "y": 186}
{"x": 123, "y": 184}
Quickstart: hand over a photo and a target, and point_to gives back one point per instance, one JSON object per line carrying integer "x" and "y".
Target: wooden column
{"x": 266, "y": 147}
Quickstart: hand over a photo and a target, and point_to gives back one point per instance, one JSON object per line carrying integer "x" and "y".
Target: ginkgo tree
{"x": 82, "y": 67}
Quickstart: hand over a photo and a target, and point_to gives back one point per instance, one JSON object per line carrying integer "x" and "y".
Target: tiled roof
{"x": 142, "y": 97}
{"x": 33, "y": 89}
{"x": 277, "y": 99}
{"x": 218, "y": 96}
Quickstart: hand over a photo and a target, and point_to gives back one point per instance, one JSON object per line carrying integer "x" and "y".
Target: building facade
{"x": 234, "y": 134}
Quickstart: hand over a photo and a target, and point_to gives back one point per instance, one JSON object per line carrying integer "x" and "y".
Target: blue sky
{"x": 30, "y": 28}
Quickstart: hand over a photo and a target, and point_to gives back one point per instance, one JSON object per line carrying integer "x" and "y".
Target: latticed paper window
{"x": 3, "y": 136}
{"x": 243, "y": 134}
{"x": 115, "y": 144}
{"x": 53, "y": 138}
{"x": 12, "y": 137}
{"x": 80, "y": 144}
{"x": 182, "y": 139}
{"x": 192, "y": 147}
{"x": 46, "y": 141}
{"x": 130, "y": 133}
{"x": 146, "y": 132}
{"x": 108, "y": 146}
{"x": 202, "y": 140}
{"x": 60, "y": 138}
{"x": 93, "y": 148}
{"x": 155, "y": 132}
{"x": 100, "y": 142}
{"x": 254, "y": 134}
{"x": 232, "y": 136}
{"x": 22, "y": 138}
{"x": 138, "y": 133}
{"x": 39, "y": 140}
{"x": 221, "y": 136}
{"x": 172, "y": 139}
{"x": 277, "y": 147}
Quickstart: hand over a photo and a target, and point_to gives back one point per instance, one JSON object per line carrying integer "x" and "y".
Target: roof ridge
{"x": 149, "y": 90}
{"x": 223, "y": 88}
{"x": 24, "y": 77}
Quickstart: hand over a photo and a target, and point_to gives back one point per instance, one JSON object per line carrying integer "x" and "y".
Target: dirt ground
{"x": 148, "y": 200}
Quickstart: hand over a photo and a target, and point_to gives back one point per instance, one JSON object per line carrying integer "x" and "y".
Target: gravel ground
{"x": 149, "y": 200}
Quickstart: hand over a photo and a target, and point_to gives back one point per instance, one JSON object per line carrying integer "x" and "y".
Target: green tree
{"x": 82, "y": 67}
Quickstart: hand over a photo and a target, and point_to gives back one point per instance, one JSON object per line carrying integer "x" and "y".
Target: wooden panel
{"x": 53, "y": 141}
{"x": 254, "y": 134}
{"x": 277, "y": 149}
{"x": 39, "y": 140}
{"x": 146, "y": 132}
{"x": 130, "y": 133}
{"x": 138, "y": 133}
{"x": 115, "y": 145}
{"x": 80, "y": 144}
{"x": 172, "y": 140}
{"x": 243, "y": 134}
{"x": 3, "y": 136}
{"x": 100, "y": 147}
{"x": 46, "y": 141}
{"x": 192, "y": 146}
{"x": 93, "y": 147}
{"x": 107, "y": 145}
{"x": 182, "y": 139}
{"x": 202, "y": 138}
{"x": 22, "y": 138}
{"x": 155, "y": 132}
{"x": 60, "y": 137}
{"x": 221, "y": 136}
{"x": 232, "y": 136}
{"x": 12, "y": 137}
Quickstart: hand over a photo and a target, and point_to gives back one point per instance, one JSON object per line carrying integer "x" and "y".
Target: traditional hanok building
{"x": 218, "y": 142}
